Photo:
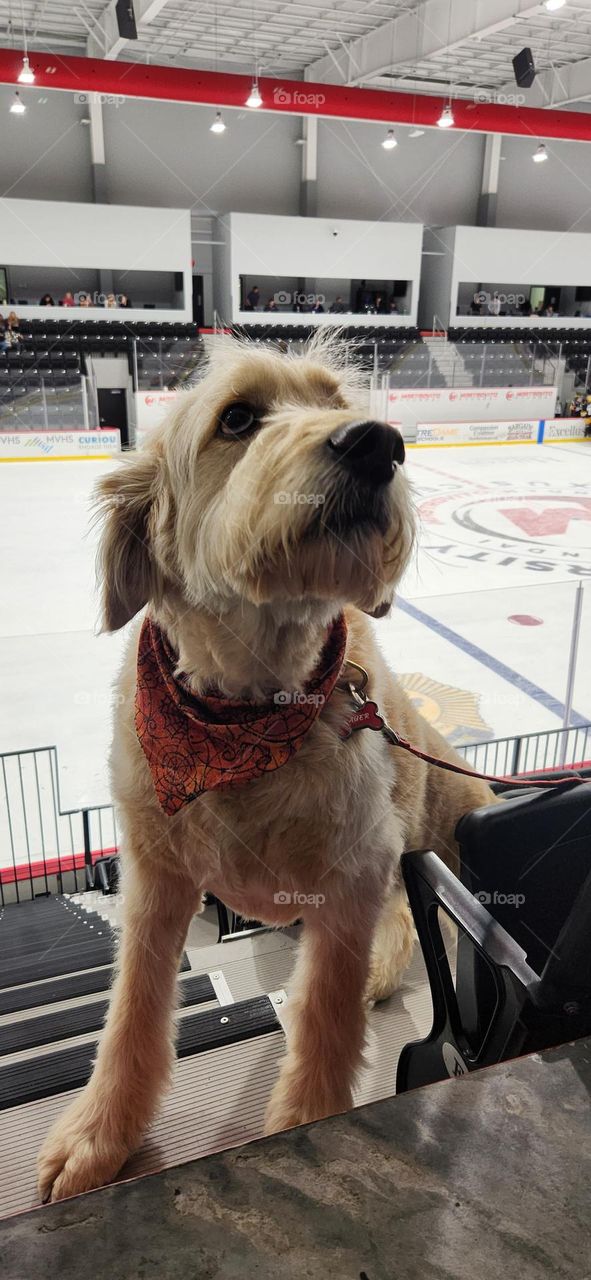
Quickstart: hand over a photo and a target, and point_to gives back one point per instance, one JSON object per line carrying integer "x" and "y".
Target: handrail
{"x": 439, "y": 326}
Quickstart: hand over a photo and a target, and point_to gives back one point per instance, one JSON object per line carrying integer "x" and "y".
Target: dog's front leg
{"x": 326, "y": 1026}
{"x": 92, "y": 1139}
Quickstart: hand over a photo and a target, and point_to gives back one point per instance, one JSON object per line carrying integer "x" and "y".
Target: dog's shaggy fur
{"x": 244, "y": 586}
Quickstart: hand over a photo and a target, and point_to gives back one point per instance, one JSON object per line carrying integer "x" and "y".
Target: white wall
{"x": 104, "y": 237}
{"x": 513, "y": 256}
{"x": 522, "y": 257}
{"x": 165, "y": 154}
{"x": 553, "y": 195}
{"x": 431, "y": 179}
{"x": 261, "y": 245}
{"x": 44, "y": 154}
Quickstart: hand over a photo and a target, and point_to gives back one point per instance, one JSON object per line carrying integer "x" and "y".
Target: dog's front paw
{"x": 78, "y": 1154}
{"x": 287, "y": 1110}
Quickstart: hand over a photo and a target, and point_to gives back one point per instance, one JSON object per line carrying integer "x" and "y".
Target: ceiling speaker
{"x": 126, "y": 19}
{"x": 524, "y": 68}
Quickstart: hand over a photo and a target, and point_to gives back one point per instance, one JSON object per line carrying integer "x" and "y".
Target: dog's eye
{"x": 236, "y": 419}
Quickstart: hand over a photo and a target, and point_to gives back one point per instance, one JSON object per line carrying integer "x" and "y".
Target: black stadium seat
{"x": 523, "y": 910}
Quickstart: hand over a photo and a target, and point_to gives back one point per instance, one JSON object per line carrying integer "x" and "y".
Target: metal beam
{"x": 435, "y": 28}
{"x": 105, "y": 41}
{"x": 556, "y": 87}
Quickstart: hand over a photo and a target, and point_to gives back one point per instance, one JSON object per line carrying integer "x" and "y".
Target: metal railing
{"x": 473, "y": 364}
{"x": 525, "y": 753}
{"x": 44, "y": 408}
{"x": 45, "y": 848}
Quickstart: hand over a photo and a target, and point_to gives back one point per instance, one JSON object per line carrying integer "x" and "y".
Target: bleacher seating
{"x": 371, "y": 346}
{"x": 40, "y": 378}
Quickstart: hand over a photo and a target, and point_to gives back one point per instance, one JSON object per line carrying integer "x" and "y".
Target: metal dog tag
{"x": 366, "y": 717}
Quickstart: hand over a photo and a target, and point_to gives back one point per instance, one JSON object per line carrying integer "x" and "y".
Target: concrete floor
{"x": 485, "y": 1177}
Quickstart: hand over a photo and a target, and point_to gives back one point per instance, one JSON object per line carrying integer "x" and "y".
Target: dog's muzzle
{"x": 369, "y": 451}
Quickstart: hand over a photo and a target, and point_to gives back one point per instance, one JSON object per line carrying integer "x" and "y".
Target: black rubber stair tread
{"x": 228, "y": 1024}
{"x": 70, "y": 1068}
{"x": 51, "y": 937}
{"x": 27, "y": 927}
{"x": 86, "y": 983}
{"x": 83, "y": 954}
{"x": 62, "y": 1024}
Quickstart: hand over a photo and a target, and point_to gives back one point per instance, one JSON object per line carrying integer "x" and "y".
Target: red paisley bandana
{"x": 196, "y": 744}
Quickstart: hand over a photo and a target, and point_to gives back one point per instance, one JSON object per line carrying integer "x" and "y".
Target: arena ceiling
{"x": 429, "y": 46}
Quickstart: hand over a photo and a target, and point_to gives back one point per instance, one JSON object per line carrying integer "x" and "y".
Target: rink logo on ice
{"x": 454, "y": 712}
{"x": 543, "y": 531}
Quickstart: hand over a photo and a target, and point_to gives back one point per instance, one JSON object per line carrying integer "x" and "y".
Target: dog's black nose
{"x": 370, "y": 450}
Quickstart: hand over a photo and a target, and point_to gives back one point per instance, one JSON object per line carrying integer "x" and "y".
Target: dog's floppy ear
{"x": 126, "y": 569}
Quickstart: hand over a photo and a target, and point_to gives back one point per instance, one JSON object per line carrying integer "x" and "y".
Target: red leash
{"x": 368, "y": 717}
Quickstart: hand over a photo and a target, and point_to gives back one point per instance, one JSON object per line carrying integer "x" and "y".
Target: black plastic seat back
{"x": 523, "y": 911}
{"x": 527, "y": 859}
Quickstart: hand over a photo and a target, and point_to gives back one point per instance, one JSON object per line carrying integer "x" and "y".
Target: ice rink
{"x": 480, "y": 635}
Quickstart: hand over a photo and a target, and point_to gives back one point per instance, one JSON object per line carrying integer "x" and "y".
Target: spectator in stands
{"x": 393, "y": 306}
{"x": 68, "y": 299}
{"x": 337, "y": 308}
{"x": 318, "y": 308}
{"x": 270, "y": 305}
{"x": 494, "y": 305}
{"x": 379, "y": 305}
{"x": 84, "y": 300}
{"x": 110, "y": 300}
{"x": 587, "y": 416}
{"x": 46, "y": 301}
{"x": 5, "y": 342}
{"x": 124, "y": 301}
{"x": 253, "y": 298}
{"x": 475, "y": 305}
{"x": 12, "y": 329}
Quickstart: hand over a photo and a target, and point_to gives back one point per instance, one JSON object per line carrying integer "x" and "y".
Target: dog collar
{"x": 195, "y": 744}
